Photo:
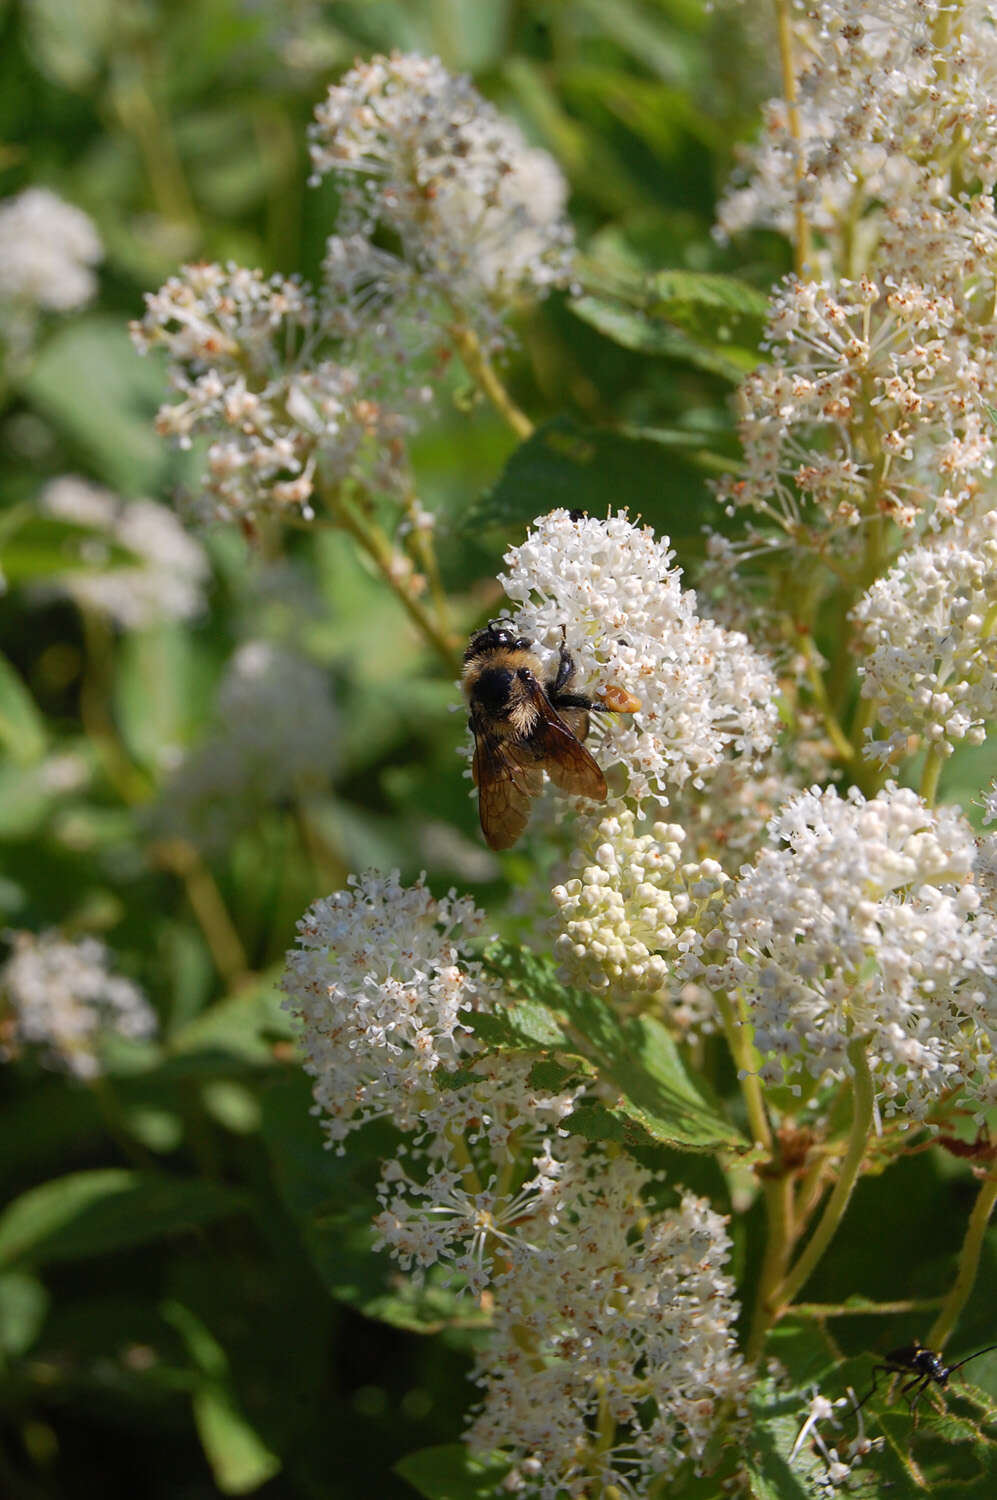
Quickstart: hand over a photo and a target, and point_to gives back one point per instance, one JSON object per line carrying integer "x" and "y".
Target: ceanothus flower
{"x": 929, "y": 627}
{"x": 65, "y": 999}
{"x": 609, "y": 590}
{"x": 477, "y": 213}
{"x": 864, "y": 920}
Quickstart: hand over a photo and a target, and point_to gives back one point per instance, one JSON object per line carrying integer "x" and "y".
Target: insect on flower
{"x": 923, "y": 1367}
{"x": 524, "y": 726}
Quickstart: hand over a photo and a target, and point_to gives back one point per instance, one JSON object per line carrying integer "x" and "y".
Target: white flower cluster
{"x": 246, "y": 359}
{"x": 616, "y": 1325}
{"x": 167, "y": 578}
{"x": 610, "y": 587}
{"x": 872, "y": 407}
{"x": 635, "y": 905}
{"x": 893, "y": 96}
{"x": 275, "y": 737}
{"x": 598, "y": 1310}
{"x": 64, "y": 999}
{"x": 477, "y": 213}
{"x": 48, "y": 249}
{"x": 930, "y": 629}
{"x": 866, "y": 922}
{"x": 380, "y": 981}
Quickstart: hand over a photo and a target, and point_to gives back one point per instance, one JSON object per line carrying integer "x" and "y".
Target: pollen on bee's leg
{"x": 618, "y": 700}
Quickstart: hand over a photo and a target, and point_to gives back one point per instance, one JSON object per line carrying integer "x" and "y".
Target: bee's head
{"x": 497, "y": 635}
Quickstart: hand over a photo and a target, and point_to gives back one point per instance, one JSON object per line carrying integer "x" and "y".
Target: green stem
{"x": 778, "y": 1247}
{"x": 482, "y": 372}
{"x": 737, "y": 1032}
{"x": 969, "y": 1264}
{"x": 801, "y": 229}
{"x": 847, "y": 1178}
{"x": 815, "y": 677}
{"x": 929, "y": 776}
{"x": 384, "y": 556}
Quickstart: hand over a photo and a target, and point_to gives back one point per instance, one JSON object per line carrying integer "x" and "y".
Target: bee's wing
{"x": 506, "y": 786}
{"x": 563, "y": 756}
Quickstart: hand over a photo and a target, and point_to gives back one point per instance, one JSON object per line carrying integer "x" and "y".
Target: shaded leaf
{"x": 562, "y": 464}
{"x": 93, "y": 1213}
{"x": 452, "y": 1472}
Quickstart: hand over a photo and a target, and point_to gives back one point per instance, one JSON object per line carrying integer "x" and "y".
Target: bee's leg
{"x": 565, "y": 672}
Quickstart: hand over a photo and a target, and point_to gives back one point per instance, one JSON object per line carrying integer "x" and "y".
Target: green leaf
{"x": 68, "y": 40}
{"x": 657, "y": 1099}
{"x": 43, "y": 547}
{"x": 239, "y": 1459}
{"x": 93, "y": 1213}
{"x": 23, "y": 1305}
{"x": 703, "y": 318}
{"x": 91, "y": 382}
{"x": 651, "y": 331}
{"x": 452, "y": 1472}
{"x": 22, "y": 728}
{"x": 562, "y": 464}
{"x": 238, "y": 1031}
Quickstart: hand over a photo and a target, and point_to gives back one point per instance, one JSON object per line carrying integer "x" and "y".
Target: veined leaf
{"x": 657, "y": 1098}
{"x": 93, "y": 1213}
{"x": 452, "y": 1472}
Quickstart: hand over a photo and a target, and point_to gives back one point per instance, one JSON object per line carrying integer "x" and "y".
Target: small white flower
{"x": 48, "y": 249}
{"x": 249, "y": 361}
{"x": 64, "y": 999}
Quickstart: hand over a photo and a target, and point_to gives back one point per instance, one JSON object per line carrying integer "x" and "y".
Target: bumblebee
{"x": 522, "y": 727}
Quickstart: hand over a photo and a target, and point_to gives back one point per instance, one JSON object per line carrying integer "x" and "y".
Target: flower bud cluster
{"x": 930, "y": 629}
{"x": 609, "y": 591}
{"x": 478, "y": 214}
{"x": 167, "y": 578}
{"x": 866, "y": 922}
{"x": 64, "y": 999}
{"x": 633, "y": 907}
{"x": 246, "y": 358}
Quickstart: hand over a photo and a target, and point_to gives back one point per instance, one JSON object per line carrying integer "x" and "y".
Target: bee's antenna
{"x": 952, "y": 1368}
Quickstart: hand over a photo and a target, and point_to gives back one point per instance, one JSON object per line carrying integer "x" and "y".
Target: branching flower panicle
{"x": 477, "y": 212}
{"x": 249, "y": 363}
{"x": 65, "y": 1000}
{"x": 612, "y": 1357}
{"x": 872, "y": 408}
{"x": 380, "y": 982}
{"x": 48, "y": 251}
{"x": 865, "y": 921}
